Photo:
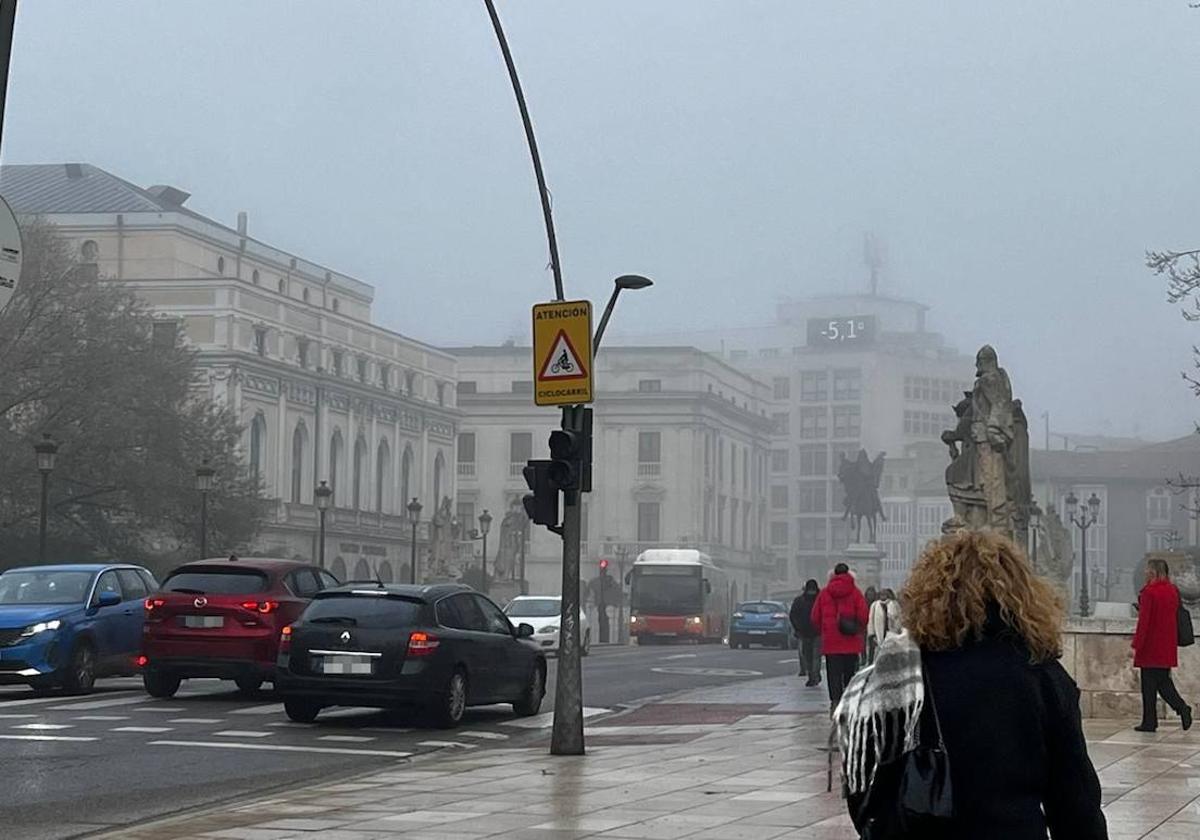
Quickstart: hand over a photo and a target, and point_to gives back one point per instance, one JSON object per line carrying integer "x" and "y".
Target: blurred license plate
{"x": 204, "y": 621}
{"x": 758, "y": 632}
{"x": 346, "y": 665}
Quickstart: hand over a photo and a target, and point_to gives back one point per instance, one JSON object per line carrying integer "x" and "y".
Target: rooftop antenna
{"x": 874, "y": 257}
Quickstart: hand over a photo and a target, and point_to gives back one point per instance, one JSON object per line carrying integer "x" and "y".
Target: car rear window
{"x": 372, "y": 612}
{"x": 203, "y": 581}
{"x": 760, "y": 607}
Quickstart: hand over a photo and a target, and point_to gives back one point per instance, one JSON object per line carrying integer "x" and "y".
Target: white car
{"x": 543, "y": 612}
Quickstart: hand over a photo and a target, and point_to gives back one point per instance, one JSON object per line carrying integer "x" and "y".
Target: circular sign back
{"x": 10, "y": 254}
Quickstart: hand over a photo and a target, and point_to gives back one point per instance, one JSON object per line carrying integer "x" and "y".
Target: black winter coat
{"x": 1015, "y": 740}
{"x": 801, "y": 615}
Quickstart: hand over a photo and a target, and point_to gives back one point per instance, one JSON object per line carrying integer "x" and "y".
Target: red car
{"x": 222, "y": 618}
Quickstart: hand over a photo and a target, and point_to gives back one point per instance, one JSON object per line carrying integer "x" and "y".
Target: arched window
{"x": 338, "y": 569}
{"x": 335, "y": 460}
{"x": 254, "y": 277}
{"x": 258, "y": 447}
{"x": 384, "y": 574}
{"x": 362, "y": 571}
{"x": 410, "y": 383}
{"x": 282, "y": 285}
{"x": 89, "y": 251}
{"x": 221, "y": 265}
{"x": 305, "y": 294}
{"x": 299, "y": 446}
{"x": 439, "y": 467}
{"x": 383, "y": 478}
{"x": 360, "y": 466}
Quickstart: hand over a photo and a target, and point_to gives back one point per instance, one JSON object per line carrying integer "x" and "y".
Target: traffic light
{"x": 604, "y": 566}
{"x": 571, "y": 454}
{"x": 541, "y": 504}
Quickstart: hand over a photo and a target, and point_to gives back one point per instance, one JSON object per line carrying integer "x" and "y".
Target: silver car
{"x": 544, "y": 612}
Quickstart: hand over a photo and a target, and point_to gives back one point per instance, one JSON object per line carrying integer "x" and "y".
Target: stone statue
{"x": 860, "y": 483}
{"x": 1056, "y": 551}
{"x": 978, "y": 478}
{"x": 441, "y": 540}
{"x": 1020, "y": 485}
{"x": 512, "y": 534}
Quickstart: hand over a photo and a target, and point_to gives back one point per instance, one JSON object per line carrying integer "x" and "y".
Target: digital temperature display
{"x": 832, "y": 332}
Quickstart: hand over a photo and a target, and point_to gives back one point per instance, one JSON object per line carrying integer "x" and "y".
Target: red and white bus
{"x": 677, "y": 593}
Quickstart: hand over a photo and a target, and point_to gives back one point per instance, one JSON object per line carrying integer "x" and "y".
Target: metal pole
{"x": 42, "y": 517}
{"x": 412, "y": 567}
{"x": 602, "y": 608}
{"x": 321, "y": 548}
{"x": 8, "y": 19}
{"x": 524, "y": 541}
{"x": 483, "y": 567}
{"x": 203, "y": 525}
{"x": 1083, "y": 573}
{"x": 543, "y": 193}
{"x": 608, "y": 311}
{"x": 566, "y": 738}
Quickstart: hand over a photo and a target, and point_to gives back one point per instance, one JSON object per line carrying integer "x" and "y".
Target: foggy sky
{"x": 1017, "y": 158}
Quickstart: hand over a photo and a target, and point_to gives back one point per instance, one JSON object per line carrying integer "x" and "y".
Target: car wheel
{"x": 81, "y": 669}
{"x": 159, "y": 684}
{"x": 587, "y": 643}
{"x": 249, "y": 685}
{"x": 530, "y": 702}
{"x": 301, "y": 711}
{"x": 733, "y": 643}
{"x": 453, "y": 703}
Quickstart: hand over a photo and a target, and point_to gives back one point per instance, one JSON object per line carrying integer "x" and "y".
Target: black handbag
{"x": 1183, "y": 622}
{"x": 848, "y": 625}
{"x": 911, "y": 796}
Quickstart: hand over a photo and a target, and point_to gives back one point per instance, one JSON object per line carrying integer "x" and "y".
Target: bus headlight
{"x": 696, "y": 620}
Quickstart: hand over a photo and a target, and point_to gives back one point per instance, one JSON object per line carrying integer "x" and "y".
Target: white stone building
{"x": 680, "y": 455}
{"x": 324, "y": 393}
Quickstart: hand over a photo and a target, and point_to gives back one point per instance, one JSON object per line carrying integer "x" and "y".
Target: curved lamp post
{"x": 204, "y": 483}
{"x": 323, "y": 496}
{"x": 485, "y": 525}
{"x": 46, "y": 450}
{"x": 414, "y": 516}
{"x": 1083, "y": 520}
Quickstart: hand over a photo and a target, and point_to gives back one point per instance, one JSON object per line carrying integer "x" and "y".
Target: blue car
{"x": 760, "y": 623}
{"x": 64, "y": 626}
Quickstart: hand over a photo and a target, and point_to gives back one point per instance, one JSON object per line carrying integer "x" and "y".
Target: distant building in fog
{"x": 680, "y": 453}
{"x": 324, "y": 393}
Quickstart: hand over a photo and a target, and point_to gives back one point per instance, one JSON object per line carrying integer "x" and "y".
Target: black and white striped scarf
{"x": 877, "y": 717}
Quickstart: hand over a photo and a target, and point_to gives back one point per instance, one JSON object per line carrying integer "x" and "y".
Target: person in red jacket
{"x": 841, "y": 599}
{"x": 1156, "y": 646}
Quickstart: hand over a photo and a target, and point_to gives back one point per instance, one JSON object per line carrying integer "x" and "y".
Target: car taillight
{"x": 422, "y": 644}
{"x": 285, "y": 639}
{"x": 141, "y": 661}
{"x": 263, "y": 607}
{"x": 154, "y": 604}
{"x": 779, "y": 616}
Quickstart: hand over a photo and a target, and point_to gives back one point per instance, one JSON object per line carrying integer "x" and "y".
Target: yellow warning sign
{"x": 562, "y": 352}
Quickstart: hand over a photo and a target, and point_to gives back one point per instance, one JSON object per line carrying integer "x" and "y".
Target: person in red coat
{"x": 1156, "y": 646}
{"x": 840, "y": 599}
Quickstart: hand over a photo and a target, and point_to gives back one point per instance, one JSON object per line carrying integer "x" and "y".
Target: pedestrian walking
{"x": 970, "y": 702}
{"x": 840, "y": 614}
{"x": 1156, "y": 646}
{"x": 807, "y": 632}
{"x": 884, "y": 620}
{"x": 868, "y": 651}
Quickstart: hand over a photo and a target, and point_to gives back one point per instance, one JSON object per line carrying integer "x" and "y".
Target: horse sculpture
{"x": 860, "y": 482}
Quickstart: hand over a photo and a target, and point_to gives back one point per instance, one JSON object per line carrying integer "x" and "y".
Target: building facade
{"x": 325, "y": 394}
{"x": 679, "y": 453}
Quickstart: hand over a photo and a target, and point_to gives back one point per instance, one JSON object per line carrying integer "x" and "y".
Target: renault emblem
{"x": 201, "y": 602}
{"x": 345, "y": 637}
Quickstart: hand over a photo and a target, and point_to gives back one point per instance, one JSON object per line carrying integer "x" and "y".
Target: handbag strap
{"x": 937, "y": 722}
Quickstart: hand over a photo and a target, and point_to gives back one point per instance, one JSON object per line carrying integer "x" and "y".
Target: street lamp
{"x": 1035, "y": 519}
{"x": 1085, "y": 518}
{"x": 414, "y": 516}
{"x": 46, "y": 450}
{"x": 323, "y": 495}
{"x": 485, "y": 525}
{"x": 204, "y": 483}
{"x": 625, "y": 281}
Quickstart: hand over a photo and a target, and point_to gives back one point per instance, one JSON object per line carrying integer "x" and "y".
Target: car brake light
{"x": 263, "y": 607}
{"x": 285, "y": 639}
{"x": 141, "y": 661}
{"x": 154, "y": 604}
{"x": 422, "y": 644}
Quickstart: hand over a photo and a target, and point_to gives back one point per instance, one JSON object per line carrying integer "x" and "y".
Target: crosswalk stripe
{"x": 458, "y": 744}
{"x": 242, "y": 733}
{"x": 102, "y": 704}
{"x": 16, "y": 717}
{"x": 487, "y": 736}
{"x": 46, "y": 726}
{"x": 152, "y": 730}
{"x": 101, "y": 717}
{"x": 39, "y": 701}
{"x": 75, "y": 738}
{"x": 546, "y": 719}
{"x": 156, "y": 708}
{"x": 265, "y": 709}
{"x": 196, "y": 720}
{"x": 349, "y": 739}
{"x": 234, "y": 745}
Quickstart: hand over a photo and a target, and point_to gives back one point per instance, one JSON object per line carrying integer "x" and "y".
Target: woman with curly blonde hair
{"x": 977, "y": 665}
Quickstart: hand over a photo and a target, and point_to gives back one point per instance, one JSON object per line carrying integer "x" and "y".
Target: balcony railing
{"x": 515, "y": 469}
{"x": 649, "y": 469}
{"x": 466, "y": 470}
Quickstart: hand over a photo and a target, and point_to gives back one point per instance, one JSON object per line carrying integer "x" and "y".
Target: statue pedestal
{"x": 866, "y": 561}
{"x": 503, "y": 591}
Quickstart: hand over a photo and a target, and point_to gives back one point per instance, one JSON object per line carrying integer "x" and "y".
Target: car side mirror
{"x": 108, "y": 599}
{"x": 524, "y": 631}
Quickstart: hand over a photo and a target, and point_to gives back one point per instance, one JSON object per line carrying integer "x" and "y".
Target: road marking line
{"x": 74, "y": 738}
{"x": 101, "y": 704}
{"x": 265, "y": 709}
{"x": 291, "y": 724}
{"x": 447, "y": 744}
{"x": 546, "y": 719}
{"x": 243, "y": 733}
{"x": 37, "y": 701}
{"x": 101, "y": 717}
{"x": 167, "y": 709}
{"x": 349, "y": 739}
{"x": 147, "y": 729}
{"x": 787, "y": 661}
{"x": 48, "y": 726}
{"x": 196, "y": 720}
{"x": 487, "y": 736}
{"x": 682, "y": 656}
{"x": 233, "y": 745}
{"x": 390, "y": 730}
{"x": 15, "y": 717}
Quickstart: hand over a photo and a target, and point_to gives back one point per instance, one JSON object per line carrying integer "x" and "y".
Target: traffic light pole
{"x": 566, "y": 738}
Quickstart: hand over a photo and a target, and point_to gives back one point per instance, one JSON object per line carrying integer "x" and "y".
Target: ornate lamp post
{"x": 414, "y": 516}
{"x": 485, "y": 525}
{"x": 204, "y": 483}
{"x": 323, "y": 495}
{"x": 1084, "y": 519}
{"x": 46, "y": 450}
{"x": 1035, "y": 520}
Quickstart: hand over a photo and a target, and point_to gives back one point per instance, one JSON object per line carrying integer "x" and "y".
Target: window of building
{"x": 769, "y": 352}
{"x": 811, "y": 497}
{"x": 339, "y": 359}
{"x": 1158, "y": 506}
{"x": 649, "y": 386}
{"x": 782, "y": 387}
{"x": 164, "y": 333}
{"x": 779, "y": 533}
{"x": 720, "y": 460}
{"x": 260, "y": 340}
{"x": 720, "y": 519}
{"x": 221, "y": 266}
{"x": 847, "y": 384}
{"x": 336, "y": 305}
{"x": 522, "y": 386}
{"x": 779, "y": 496}
{"x": 282, "y": 285}
{"x": 810, "y": 534}
{"x": 847, "y": 421}
{"x": 648, "y": 522}
{"x": 814, "y": 422}
{"x": 305, "y": 294}
{"x": 385, "y": 376}
{"x": 780, "y": 421}
{"x": 649, "y": 447}
{"x": 303, "y": 348}
{"x": 814, "y": 386}
{"x": 441, "y": 393}
{"x": 520, "y": 449}
{"x": 746, "y": 471}
{"x": 362, "y": 370}
{"x": 466, "y": 454}
{"x": 466, "y": 387}
{"x": 464, "y": 511}
{"x": 733, "y": 471}
{"x": 779, "y": 460}
{"x": 254, "y": 277}
{"x": 814, "y": 460}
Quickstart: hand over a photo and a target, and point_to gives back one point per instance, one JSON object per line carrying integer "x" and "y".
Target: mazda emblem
{"x": 201, "y": 602}
{"x": 345, "y": 637}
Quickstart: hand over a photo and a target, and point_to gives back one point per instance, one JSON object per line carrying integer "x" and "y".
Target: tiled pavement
{"x": 730, "y": 763}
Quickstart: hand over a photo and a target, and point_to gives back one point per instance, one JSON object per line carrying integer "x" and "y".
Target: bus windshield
{"x": 670, "y": 591}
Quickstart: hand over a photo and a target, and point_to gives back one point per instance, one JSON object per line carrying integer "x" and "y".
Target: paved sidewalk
{"x": 737, "y": 762}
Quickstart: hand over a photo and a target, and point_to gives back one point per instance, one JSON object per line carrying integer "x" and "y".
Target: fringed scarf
{"x": 877, "y": 717}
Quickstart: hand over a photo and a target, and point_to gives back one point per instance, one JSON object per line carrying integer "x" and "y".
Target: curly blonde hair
{"x": 948, "y": 592}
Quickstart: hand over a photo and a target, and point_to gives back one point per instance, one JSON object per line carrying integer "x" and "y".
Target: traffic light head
{"x": 541, "y": 504}
{"x": 566, "y": 459}
{"x": 604, "y": 565}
